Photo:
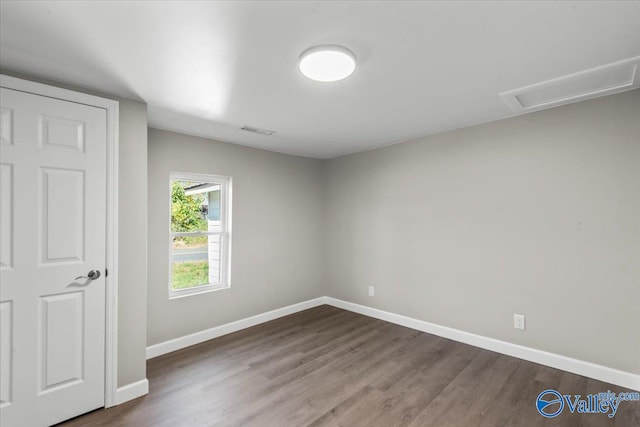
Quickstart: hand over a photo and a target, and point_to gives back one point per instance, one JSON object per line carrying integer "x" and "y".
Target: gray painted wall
{"x": 277, "y": 233}
{"x": 537, "y": 214}
{"x": 132, "y": 256}
{"x": 132, "y": 248}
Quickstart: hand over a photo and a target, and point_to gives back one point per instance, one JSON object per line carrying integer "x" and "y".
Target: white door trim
{"x": 111, "y": 320}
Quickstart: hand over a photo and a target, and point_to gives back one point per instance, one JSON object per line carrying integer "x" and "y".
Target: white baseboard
{"x": 576, "y": 366}
{"x": 132, "y": 391}
{"x": 198, "y": 337}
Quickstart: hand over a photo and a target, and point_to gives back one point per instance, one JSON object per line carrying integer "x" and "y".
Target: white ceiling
{"x": 207, "y": 68}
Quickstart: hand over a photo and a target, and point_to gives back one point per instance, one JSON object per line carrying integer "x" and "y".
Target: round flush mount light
{"x": 328, "y": 63}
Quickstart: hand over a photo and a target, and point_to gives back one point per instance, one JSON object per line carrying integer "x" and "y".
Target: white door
{"x": 52, "y": 217}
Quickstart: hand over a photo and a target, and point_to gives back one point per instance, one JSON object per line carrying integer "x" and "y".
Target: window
{"x": 200, "y": 233}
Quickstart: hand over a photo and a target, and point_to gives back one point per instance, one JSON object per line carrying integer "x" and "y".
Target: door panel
{"x": 61, "y": 340}
{"x": 62, "y": 234}
{"x": 6, "y": 359}
{"x": 53, "y": 193}
{"x": 6, "y": 126}
{"x": 6, "y": 215}
{"x": 61, "y": 134}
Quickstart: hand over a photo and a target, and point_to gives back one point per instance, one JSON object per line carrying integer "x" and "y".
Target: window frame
{"x": 224, "y": 233}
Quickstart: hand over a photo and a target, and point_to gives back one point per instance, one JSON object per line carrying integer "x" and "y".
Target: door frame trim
{"x": 111, "y": 262}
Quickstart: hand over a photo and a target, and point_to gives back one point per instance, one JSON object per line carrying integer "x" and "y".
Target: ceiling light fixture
{"x": 327, "y": 63}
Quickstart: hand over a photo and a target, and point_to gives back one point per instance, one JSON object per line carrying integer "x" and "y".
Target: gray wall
{"x": 277, "y": 233}
{"x": 537, "y": 214}
{"x": 132, "y": 248}
{"x": 132, "y": 256}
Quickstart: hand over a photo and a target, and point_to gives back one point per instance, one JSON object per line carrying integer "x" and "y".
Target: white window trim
{"x": 225, "y": 234}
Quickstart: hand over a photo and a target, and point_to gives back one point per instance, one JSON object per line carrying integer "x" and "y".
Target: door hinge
{"x": 106, "y": 272}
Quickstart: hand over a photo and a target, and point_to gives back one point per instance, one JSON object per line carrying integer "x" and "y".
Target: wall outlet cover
{"x": 518, "y": 321}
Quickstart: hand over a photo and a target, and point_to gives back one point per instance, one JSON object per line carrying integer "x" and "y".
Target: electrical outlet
{"x": 371, "y": 291}
{"x": 518, "y": 321}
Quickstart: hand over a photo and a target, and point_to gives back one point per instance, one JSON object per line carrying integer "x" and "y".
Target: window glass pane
{"x": 194, "y": 205}
{"x": 190, "y": 263}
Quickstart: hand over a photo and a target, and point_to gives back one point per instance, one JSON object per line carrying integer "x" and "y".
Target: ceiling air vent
{"x": 258, "y": 130}
{"x": 608, "y": 79}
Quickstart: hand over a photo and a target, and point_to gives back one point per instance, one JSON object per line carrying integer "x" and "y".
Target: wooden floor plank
{"x": 330, "y": 367}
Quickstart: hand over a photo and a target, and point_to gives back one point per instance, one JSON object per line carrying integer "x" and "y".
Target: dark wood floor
{"x": 330, "y": 367}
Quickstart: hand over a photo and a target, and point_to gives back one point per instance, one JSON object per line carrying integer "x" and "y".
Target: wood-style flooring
{"x": 330, "y": 367}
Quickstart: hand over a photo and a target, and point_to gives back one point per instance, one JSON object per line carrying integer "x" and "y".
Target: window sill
{"x": 197, "y": 290}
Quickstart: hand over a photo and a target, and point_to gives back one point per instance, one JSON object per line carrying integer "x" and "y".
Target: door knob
{"x": 93, "y": 275}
